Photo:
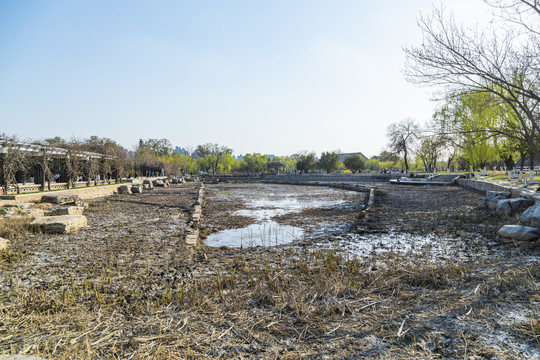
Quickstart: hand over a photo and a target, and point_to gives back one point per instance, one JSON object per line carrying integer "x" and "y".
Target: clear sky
{"x": 268, "y": 76}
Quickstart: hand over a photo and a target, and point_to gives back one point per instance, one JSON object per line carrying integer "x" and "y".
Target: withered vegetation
{"x": 127, "y": 287}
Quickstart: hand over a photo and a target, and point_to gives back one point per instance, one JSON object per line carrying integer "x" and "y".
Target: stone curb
{"x": 192, "y": 231}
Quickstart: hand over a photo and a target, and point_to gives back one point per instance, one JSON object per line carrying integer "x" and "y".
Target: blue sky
{"x": 258, "y": 76}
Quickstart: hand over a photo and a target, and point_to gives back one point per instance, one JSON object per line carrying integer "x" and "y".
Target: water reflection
{"x": 263, "y": 203}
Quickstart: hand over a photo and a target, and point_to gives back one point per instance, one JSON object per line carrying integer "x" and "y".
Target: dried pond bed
{"x": 128, "y": 288}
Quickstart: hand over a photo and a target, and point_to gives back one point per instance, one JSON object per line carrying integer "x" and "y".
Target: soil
{"x": 128, "y": 287}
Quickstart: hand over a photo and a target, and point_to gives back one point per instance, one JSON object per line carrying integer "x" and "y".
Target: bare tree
{"x": 498, "y": 63}
{"x": 401, "y": 136}
{"x": 13, "y": 161}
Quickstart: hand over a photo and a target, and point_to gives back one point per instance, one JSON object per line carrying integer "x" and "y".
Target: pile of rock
{"x": 64, "y": 215}
{"x": 503, "y": 204}
{"x": 506, "y": 206}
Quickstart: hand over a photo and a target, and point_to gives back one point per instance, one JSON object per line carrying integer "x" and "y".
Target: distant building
{"x": 344, "y": 155}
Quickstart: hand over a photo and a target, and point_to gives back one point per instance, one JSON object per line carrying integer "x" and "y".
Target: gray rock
{"x": 61, "y": 199}
{"x": 124, "y": 189}
{"x": 59, "y": 224}
{"x": 495, "y": 194}
{"x": 531, "y": 216}
{"x": 519, "y": 232}
{"x": 136, "y": 189}
{"x": 507, "y": 207}
{"x": 159, "y": 183}
{"x": 174, "y": 180}
{"x": 482, "y": 202}
{"x": 66, "y": 210}
{"x": 492, "y": 202}
{"x": 148, "y": 182}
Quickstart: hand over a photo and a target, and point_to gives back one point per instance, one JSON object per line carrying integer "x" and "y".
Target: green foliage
{"x": 182, "y": 163}
{"x": 354, "y": 163}
{"x": 329, "y": 161}
{"x": 211, "y": 155}
{"x": 227, "y": 164}
{"x": 306, "y": 162}
{"x": 373, "y": 164}
{"x": 288, "y": 162}
{"x": 255, "y": 163}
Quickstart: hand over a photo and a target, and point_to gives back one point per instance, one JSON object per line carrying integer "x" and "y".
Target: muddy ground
{"x": 128, "y": 287}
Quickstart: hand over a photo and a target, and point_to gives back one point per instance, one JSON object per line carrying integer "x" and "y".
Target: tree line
{"x": 109, "y": 161}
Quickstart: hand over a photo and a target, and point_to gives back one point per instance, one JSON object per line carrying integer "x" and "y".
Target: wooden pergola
{"x": 47, "y": 158}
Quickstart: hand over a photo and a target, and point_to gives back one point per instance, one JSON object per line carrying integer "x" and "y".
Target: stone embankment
{"x": 192, "y": 230}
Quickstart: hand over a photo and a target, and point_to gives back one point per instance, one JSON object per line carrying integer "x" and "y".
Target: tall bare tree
{"x": 500, "y": 63}
{"x": 401, "y": 136}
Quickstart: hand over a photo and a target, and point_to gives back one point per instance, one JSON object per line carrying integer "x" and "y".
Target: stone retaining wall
{"x": 484, "y": 186}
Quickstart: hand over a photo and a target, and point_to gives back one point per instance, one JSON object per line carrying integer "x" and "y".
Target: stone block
{"x": 531, "y": 216}
{"x": 124, "y": 189}
{"x": 61, "y": 199}
{"x": 59, "y": 224}
{"x": 136, "y": 189}
{"x": 519, "y": 232}
{"x": 25, "y": 205}
{"x": 148, "y": 182}
{"x": 9, "y": 211}
{"x": 3, "y": 243}
{"x": 32, "y": 213}
{"x": 191, "y": 239}
{"x": 66, "y": 210}
{"x": 159, "y": 183}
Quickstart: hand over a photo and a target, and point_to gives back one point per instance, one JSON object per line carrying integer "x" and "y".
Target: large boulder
{"x": 124, "y": 189}
{"x": 61, "y": 199}
{"x": 519, "y": 232}
{"x": 531, "y": 216}
{"x": 507, "y": 207}
{"x": 66, "y": 210}
{"x": 59, "y": 224}
{"x": 136, "y": 189}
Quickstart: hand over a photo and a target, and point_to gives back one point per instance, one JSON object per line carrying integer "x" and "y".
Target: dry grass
{"x": 273, "y": 303}
{"x": 282, "y": 303}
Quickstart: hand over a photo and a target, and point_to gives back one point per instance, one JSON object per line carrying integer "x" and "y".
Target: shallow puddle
{"x": 263, "y": 202}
